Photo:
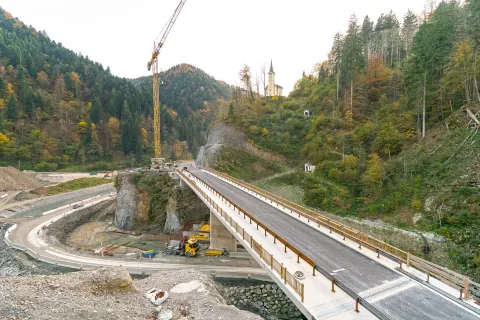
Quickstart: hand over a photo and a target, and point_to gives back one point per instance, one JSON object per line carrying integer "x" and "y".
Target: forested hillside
{"x": 59, "y": 109}
{"x": 389, "y": 131}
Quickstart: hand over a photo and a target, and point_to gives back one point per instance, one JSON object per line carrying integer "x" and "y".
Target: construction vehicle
{"x": 203, "y": 233}
{"x": 186, "y": 247}
{"x": 153, "y": 65}
{"x": 217, "y": 252}
{"x": 201, "y": 236}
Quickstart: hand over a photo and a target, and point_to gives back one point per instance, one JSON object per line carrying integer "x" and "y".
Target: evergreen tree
{"x": 352, "y": 55}
{"x": 127, "y": 134}
{"x": 96, "y": 111}
{"x": 473, "y": 22}
{"x": 367, "y": 31}
{"x": 3, "y": 88}
{"x": 12, "y": 109}
{"x": 138, "y": 144}
{"x": 2, "y": 123}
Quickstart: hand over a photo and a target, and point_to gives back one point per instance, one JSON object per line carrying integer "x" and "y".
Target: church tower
{"x": 271, "y": 81}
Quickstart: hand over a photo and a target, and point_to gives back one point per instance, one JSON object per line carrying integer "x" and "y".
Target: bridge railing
{"x": 267, "y": 257}
{"x": 321, "y": 220}
{"x": 381, "y": 247}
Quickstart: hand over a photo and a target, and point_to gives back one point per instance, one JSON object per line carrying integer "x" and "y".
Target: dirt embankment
{"x": 62, "y": 228}
{"x": 11, "y": 180}
{"x": 110, "y": 293}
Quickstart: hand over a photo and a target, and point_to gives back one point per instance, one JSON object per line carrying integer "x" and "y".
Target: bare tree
{"x": 264, "y": 81}
{"x": 246, "y": 78}
{"x": 257, "y": 85}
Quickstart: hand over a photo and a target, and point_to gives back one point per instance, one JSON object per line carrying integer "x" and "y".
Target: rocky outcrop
{"x": 172, "y": 222}
{"x": 225, "y": 135}
{"x": 127, "y": 199}
{"x": 268, "y": 300}
{"x": 151, "y": 201}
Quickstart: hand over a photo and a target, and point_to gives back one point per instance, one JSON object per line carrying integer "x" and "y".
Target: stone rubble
{"x": 110, "y": 293}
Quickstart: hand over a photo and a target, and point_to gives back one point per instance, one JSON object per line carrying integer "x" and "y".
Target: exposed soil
{"x": 12, "y": 179}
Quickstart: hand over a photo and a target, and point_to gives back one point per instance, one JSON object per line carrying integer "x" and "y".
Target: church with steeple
{"x": 273, "y": 89}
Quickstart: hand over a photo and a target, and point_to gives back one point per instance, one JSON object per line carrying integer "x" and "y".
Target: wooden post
{"x": 251, "y": 242}
{"x": 265, "y": 232}
{"x": 285, "y": 248}
{"x": 461, "y": 292}
{"x": 271, "y": 261}
{"x": 285, "y": 275}
{"x": 243, "y": 234}
{"x": 314, "y": 271}
{"x": 298, "y": 258}
{"x": 466, "y": 290}
{"x": 408, "y": 259}
{"x": 303, "y": 292}
{"x": 428, "y": 276}
{"x": 378, "y": 254}
{"x": 356, "y": 305}
{"x": 333, "y": 285}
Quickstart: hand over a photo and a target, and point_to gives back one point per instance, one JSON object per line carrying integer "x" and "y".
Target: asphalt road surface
{"x": 410, "y": 301}
{"x": 25, "y": 235}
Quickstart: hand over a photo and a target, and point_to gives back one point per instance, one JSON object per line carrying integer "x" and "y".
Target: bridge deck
{"x": 392, "y": 293}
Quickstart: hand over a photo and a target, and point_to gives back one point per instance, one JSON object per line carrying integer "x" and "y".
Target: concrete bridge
{"x": 346, "y": 274}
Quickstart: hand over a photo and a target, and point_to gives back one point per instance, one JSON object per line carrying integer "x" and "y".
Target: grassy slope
{"x": 244, "y": 165}
{"x": 73, "y": 185}
{"x": 436, "y": 180}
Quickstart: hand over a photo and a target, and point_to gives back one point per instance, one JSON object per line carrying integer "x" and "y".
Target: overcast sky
{"x": 218, "y": 36}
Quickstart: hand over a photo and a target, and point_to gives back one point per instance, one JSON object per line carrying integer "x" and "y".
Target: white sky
{"x": 218, "y": 36}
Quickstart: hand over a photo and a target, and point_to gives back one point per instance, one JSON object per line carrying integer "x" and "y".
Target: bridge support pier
{"x": 220, "y": 237}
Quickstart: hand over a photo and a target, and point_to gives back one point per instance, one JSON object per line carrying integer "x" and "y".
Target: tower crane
{"x": 153, "y": 65}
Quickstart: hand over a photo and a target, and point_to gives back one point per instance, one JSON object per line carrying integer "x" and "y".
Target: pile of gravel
{"x": 12, "y": 179}
{"x": 110, "y": 293}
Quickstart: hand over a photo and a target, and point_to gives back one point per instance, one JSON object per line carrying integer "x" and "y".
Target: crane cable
{"x": 166, "y": 24}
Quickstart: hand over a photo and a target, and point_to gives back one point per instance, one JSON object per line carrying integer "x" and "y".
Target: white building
{"x": 273, "y": 89}
{"x": 309, "y": 167}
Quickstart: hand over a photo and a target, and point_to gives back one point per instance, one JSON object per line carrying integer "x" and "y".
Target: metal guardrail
{"x": 363, "y": 302}
{"x": 345, "y": 231}
{"x": 246, "y": 214}
{"x": 381, "y": 247}
{"x": 287, "y": 277}
{"x": 456, "y": 280}
{"x": 268, "y": 258}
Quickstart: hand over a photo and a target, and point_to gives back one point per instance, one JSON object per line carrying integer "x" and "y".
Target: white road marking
{"x": 336, "y": 271}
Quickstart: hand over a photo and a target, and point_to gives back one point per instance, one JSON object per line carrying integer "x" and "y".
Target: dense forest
{"x": 391, "y": 126}
{"x": 59, "y": 109}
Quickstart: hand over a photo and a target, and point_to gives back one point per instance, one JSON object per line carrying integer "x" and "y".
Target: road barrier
{"x": 268, "y": 258}
{"x": 461, "y": 282}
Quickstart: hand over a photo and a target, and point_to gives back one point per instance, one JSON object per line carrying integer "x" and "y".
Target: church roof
{"x": 271, "y": 66}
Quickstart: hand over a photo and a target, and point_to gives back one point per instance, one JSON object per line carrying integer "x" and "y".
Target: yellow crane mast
{"x": 153, "y": 65}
